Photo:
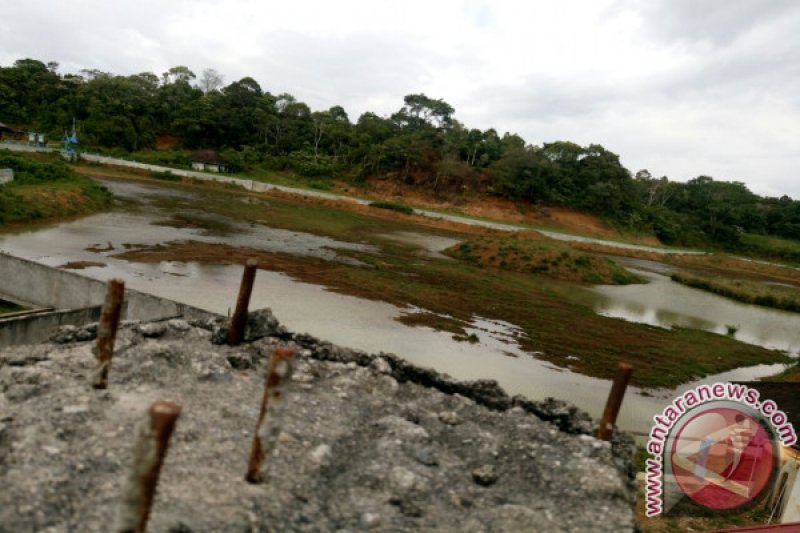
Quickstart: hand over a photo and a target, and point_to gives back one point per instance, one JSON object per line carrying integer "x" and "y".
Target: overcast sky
{"x": 680, "y": 87}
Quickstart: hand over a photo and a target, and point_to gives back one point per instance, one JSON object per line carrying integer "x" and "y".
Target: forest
{"x": 420, "y": 145}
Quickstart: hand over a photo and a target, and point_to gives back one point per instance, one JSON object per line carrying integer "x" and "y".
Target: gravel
{"x": 367, "y": 441}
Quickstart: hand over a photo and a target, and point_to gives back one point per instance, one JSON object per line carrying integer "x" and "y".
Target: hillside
{"x": 421, "y": 147}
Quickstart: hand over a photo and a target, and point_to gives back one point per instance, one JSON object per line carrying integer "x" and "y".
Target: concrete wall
{"x": 6, "y": 175}
{"x": 39, "y": 327}
{"x": 52, "y": 287}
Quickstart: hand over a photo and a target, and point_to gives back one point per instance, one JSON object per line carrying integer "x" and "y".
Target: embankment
{"x": 76, "y": 299}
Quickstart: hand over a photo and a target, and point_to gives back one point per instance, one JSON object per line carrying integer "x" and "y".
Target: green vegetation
{"x": 774, "y": 248}
{"x": 166, "y": 176}
{"x": 421, "y": 145}
{"x": 534, "y": 254}
{"x": 434, "y": 321}
{"x": 688, "y": 516}
{"x": 750, "y": 292}
{"x": 10, "y": 307}
{"x": 791, "y": 374}
{"x": 46, "y": 189}
{"x": 393, "y": 206}
{"x": 546, "y": 309}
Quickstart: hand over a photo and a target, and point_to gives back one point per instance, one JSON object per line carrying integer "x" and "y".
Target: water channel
{"x": 371, "y": 325}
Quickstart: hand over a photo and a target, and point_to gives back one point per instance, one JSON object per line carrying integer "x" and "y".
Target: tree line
{"x": 421, "y": 145}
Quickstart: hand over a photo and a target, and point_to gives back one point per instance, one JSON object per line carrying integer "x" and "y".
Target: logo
{"x": 715, "y": 444}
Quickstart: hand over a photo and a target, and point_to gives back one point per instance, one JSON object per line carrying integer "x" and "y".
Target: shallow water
{"x": 432, "y": 245}
{"x": 665, "y": 303}
{"x": 359, "y": 323}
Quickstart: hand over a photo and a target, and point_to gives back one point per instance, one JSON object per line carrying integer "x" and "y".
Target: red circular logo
{"x": 722, "y": 458}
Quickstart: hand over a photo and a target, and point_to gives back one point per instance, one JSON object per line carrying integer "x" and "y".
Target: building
{"x": 8, "y": 133}
{"x": 36, "y": 138}
{"x": 208, "y": 161}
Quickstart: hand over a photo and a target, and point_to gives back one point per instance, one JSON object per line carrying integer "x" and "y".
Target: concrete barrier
{"x": 6, "y": 175}
{"x": 28, "y": 329}
{"x": 72, "y": 295}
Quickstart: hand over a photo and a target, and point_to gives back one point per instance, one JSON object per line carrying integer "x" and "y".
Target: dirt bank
{"x": 501, "y": 210}
{"x": 367, "y": 442}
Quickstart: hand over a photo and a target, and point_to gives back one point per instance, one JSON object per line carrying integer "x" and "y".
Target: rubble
{"x": 366, "y": 442}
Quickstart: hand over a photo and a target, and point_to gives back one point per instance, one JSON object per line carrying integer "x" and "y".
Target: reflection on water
{"x": 135, "y": 225}
{"x": 665, "y": 303}
{"x": 433, "y": 245}
{"x": 369, "y": 325}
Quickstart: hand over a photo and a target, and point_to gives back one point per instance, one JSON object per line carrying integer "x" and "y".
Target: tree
{"x": 333, "y": 126}
{"x": 210, "y": 80}
{"x": 177, "y": 74}
{"x": 420, "y": 110}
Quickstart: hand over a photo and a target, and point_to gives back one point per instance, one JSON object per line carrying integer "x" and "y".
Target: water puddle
{"x": 432, "y": 245}
{"x": 373, "y": 326}
{"x": 665, "y": 303}
{"x": 111, "y": 232}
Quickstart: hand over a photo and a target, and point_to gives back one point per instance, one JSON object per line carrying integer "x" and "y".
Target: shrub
{"x": 393, "y": 206}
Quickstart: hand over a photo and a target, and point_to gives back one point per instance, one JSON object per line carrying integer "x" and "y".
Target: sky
{"x": 679, "y": 87}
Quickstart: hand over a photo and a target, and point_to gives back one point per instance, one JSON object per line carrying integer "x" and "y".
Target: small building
{"x": 208, "y": 161}
{"x": 36, "y": 138}
{"x": 6, "y": 175}
{"x": 8, "y": 133}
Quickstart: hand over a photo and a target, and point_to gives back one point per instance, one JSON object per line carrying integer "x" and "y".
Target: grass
{"x": 435, "y": 322}
{"x": 534, "y": 254}
{"x": 722, "y": 264}
{"x": 751, "y": 292}
{"x": 45, "y": 188}
{"x": 166, "y": 176}
{"x": 790, "y": 375}
{"x": 393, "y": 206}
{"x": 557, "y": 317}
{"x": 7, "y": 307}
{"x": 688, "y": 516}
{"x": 773, "y": 248}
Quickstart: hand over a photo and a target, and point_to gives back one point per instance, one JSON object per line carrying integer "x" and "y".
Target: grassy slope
{"x": 46, "y": 188}
{"x": 772, "y": 248}
{"x": 755, "y": 246}
{"x": 535, "y": 254}
{"x": 749, "y": 292}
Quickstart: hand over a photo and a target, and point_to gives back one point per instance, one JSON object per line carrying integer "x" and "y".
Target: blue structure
{"x": 70, "y": 144}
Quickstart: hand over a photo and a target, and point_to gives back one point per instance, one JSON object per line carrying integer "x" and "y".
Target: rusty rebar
{"x": 269, "y": 417}
{"x": 614, "y": 401}
{"x": 107, "y": 331}
{"x": 239, "y": 320}
{"x": 148, "y": 456}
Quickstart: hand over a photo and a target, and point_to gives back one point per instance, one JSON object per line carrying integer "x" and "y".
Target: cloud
{"x": 714, "y": 21}
{"x": 676, "y": 86}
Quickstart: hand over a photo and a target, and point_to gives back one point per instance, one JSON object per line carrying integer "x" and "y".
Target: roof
{"x": 6, "y": 127}
{"x": 209, "y": 157}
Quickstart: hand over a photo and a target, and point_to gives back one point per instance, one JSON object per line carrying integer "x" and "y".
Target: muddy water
{"x": 430, "y": 245}
{"x": 667, "y": 304}
{"x": 342, "y": 319}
